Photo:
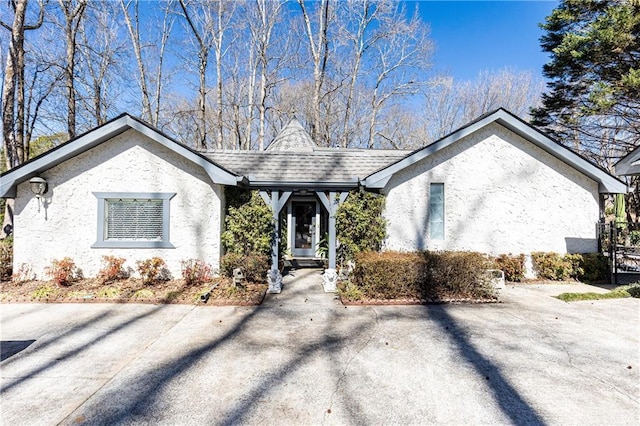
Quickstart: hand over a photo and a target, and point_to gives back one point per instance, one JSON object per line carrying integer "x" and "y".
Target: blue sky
{"x": 472, "y": 36}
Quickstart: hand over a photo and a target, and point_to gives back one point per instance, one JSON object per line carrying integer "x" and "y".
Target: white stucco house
{"x": 496, "y": 185}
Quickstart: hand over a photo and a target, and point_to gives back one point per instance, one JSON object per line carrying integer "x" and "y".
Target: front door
{"x": 303, "y": 220}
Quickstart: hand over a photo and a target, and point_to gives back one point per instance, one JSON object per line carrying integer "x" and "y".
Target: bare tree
{"x": 317, "y": 38}
{"x": 15, "y": 145}
{"x": 73, "y": 11}
{"x": 268, "y": 13}
{"x": 357, "y": 30}
{"x": 16, "y": 149}
{"x": 101, "y": 50}
{"x": 206, "y": 26}
{"x": 399, "y": 64}
{"x": 450, "y": 104}
{"x": 150, "y": 97}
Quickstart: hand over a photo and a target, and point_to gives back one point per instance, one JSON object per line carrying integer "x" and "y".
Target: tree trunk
{"x": 73, "y": 17}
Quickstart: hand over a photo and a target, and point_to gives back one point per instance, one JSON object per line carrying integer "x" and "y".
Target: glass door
{"x": 303, "y": 214}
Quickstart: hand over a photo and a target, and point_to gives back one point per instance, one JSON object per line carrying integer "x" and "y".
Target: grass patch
{"x": 142, "y": 294}
{"x": 43, "y": 292}
{"x": 108, "y": 293}
{"x": 172, "y": 295}
{"x": 632, "y": 290}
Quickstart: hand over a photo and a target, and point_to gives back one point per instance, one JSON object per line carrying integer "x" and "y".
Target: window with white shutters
{"x": 133, "y": 220}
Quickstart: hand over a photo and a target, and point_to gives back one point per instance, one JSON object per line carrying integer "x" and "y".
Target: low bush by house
{"x": 595, "y": 267}
{"x": 153, "y": 270}
{"x": 420, "y": 275}
{"x": 196, "y": 272}
{"x": 254, "y": 266}
{"x": 6, "y": 259}
{"x": 512, "y": 266}
{"x": 557, "y": 267}
{"x": 64, "y": 271}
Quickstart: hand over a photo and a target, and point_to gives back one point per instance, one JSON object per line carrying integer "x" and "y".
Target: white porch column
{"x": 331, "y": 204}
{"x": 277, "y": 202}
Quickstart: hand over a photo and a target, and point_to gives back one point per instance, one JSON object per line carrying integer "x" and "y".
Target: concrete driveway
{"x": 303, "y": 358}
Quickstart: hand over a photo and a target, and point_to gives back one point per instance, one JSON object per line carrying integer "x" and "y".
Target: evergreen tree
{"x": 593, "y": 101}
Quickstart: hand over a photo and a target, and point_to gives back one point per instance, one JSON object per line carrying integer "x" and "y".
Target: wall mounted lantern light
{"x": 38, "y": 186}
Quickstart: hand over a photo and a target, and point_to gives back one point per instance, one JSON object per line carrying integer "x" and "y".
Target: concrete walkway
{"x": 303, "y": 358}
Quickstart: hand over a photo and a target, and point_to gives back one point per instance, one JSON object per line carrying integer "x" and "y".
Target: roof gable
{"x": 292, "y": 137}
{"x": 95, "y": 137}
{"x": 629, "y": 165}
{"x": 607, "y": 182}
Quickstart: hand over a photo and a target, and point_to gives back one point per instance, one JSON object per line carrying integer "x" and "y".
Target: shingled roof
{"x": 292, "y": 137}
{"x": 321, "y": 165}
{"x": 294, "y": 158}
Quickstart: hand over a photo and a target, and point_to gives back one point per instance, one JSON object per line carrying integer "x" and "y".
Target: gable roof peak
{"x": 292, "y": 137}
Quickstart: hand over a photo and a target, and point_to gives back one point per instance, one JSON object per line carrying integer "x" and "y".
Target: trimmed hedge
{"x": 512, "y": 266}
{"x": 424, "y": 275}
{"x": 557, "y": 267}
{"x": 595, "y": 267}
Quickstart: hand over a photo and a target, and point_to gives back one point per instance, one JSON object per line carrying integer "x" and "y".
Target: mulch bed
{"x": 133, "y": 291}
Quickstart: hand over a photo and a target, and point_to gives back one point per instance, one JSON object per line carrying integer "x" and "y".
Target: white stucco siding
{"x": 503, "y": 194}
{"x": 66, "y": 225}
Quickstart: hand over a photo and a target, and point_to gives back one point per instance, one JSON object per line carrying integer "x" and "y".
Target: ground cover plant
{"x": 632, "y": 290}
{"x": 420, "y": 277}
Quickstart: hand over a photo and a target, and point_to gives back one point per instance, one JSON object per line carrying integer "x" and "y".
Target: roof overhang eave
{"x": 308, "y": 185}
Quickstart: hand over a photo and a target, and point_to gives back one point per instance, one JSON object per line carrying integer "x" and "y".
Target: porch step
{"x": 299, "y": 263}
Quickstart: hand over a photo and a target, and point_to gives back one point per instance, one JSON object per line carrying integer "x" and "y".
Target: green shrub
{"x": 249, "y": 228}
{"x": 595, "y": 267}
{"x": 427, "y": 275}
{"x": 360, "y": 226}
{"x": 576, "y": 261}
{"x": 634, "y": 290}
{"x": 195, "y": 272}
{"x": 512, "y": 266}
{"x": 254, "y": 266}
{"x": 6, "y": 259}
{"x": 64, "y": 272}
{"x": 152, "y": 270}
{"x": 347, "y": 290}
{"x": 112, "y": 269}
{"x": 634, "y": 238}
{"x": 556, "y": 267}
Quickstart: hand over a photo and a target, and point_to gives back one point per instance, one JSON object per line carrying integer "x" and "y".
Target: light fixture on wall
{"x": 38, "y": 186}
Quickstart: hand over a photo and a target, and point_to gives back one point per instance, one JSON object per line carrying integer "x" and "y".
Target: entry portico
{"x": 304, "y": 185}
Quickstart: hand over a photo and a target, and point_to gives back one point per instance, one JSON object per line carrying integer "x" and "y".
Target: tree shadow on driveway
{"x": 511, "y": 403}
